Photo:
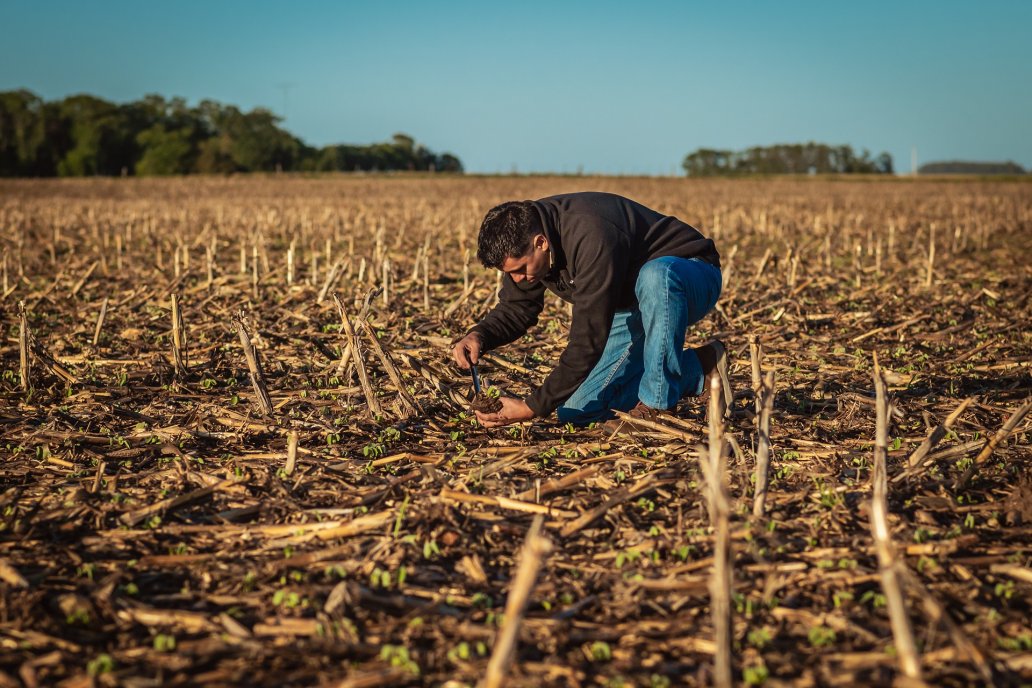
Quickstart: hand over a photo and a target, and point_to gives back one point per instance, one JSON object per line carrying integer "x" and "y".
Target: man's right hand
{"x": 467, "y": 350}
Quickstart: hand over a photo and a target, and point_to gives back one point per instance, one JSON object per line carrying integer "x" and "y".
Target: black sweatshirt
{"x": 598, "y": 242}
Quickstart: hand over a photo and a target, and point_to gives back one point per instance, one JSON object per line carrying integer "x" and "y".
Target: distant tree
{"x": 170, "y": 135}
{"x": 215, "y": 156}
{"x": 98, "y": 137}
{"x": 967, "y": 167}
{"x": 403, "y": 142}
{"x": 85, "y": 135}
{"x": 166, "y": 152}
{"x": 253, "y": 140}
{"x": 793, "y": 158}
{"x": 707, "y": 162}
{"x": 446, "y": 162}
{"x": 22, "y": 134}
{"x": 884, "y": 163}
{"x": 400, "y": 153}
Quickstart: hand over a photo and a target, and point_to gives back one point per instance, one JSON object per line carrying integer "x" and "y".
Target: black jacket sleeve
{"x": 598, "y": 262}
{"x": 518, "y": 308}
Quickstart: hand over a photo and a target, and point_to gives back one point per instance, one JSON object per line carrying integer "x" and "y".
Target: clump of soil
{"x": 486, "y": 404}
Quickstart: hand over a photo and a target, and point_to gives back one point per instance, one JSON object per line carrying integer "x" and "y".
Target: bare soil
{"x": 160, "y": 526}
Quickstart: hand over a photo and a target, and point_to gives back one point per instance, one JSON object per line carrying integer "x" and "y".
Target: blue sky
{"x": 611, "y": 87}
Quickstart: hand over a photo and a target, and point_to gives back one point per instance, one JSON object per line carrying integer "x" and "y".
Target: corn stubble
{"x": 230, "y": 425}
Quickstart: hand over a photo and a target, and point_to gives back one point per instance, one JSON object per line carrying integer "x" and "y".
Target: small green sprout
{"x": 164, "y": 643}
{"x": 600, "y": 651}
{"x": 398, "y": 656}
{"x": 821, "y": 636}
{"x": 101, "y": 664}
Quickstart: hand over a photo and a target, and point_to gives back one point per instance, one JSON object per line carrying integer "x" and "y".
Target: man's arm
{"x": 517, "y": 311}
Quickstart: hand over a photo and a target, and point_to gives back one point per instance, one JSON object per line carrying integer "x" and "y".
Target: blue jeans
{"x": 645, "y": 359}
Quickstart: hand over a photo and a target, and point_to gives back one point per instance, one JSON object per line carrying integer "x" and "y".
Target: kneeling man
{"x": 637, "y": 280}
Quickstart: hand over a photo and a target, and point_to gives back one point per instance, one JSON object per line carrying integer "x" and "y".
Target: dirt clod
{"x": 486, "y": 404}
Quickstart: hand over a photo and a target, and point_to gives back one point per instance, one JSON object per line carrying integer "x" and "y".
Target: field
{"x": 328, "y": 512}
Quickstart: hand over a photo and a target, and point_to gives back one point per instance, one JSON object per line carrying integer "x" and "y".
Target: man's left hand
{"x": 512, "y": 411}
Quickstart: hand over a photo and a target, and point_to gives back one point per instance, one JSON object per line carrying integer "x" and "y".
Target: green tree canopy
{"x": 787, "y": 158}
{"x": 400, "y": 153}
{"x": 164, "y": 151}
{"x": 969, "y": 167}
{"x": 85, "y": 135}
{"x": 22, "y": 133}
{"x": 99, "y": 141}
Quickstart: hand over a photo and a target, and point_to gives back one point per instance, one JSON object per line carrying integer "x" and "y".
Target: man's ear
{"x": 540, "y": 242}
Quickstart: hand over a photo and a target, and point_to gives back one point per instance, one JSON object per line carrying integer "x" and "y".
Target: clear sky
{"x": 612, "y": 87}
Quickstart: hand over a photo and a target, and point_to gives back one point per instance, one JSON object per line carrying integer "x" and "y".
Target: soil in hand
{"x": 486, "y": 404}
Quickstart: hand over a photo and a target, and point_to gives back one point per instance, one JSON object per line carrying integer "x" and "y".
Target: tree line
{"x": 794, "y": 158}
{"x": 968, "y": 167}
{"x": 85, "y": 135}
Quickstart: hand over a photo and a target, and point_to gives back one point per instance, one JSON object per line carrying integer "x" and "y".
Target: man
{"x": 637, "y": 280}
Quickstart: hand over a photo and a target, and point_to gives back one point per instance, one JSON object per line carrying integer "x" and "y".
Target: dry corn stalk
{"x": 535, "y": 548}
{"x": 254, "y": 367}
{"x": 351, "y": 337}
{"x": 712, "y": 464}
{"x": 888, "y": 564}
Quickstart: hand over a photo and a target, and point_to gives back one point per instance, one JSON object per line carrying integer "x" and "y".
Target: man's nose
{"x": 519, "y": 278}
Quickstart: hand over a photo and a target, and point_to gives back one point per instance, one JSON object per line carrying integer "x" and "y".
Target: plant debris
{"x": 212, "y": 473}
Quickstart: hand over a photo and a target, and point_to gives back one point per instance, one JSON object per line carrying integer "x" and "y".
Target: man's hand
{"x": 513, "y": 411}
{"x": 467, "y": 350}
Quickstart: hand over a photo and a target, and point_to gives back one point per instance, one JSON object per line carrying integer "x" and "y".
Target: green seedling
{"x": 600, "y": 651}
{"x": 1004, "y": 590}
{"x": 164, "y": 643}
{"x": 755, "y": 675}
{"x": 1023, "y": 643}
{"x": 628, "y": 556}
{"x": 380, "y": 578}
{"x": 79, "y": 617}
{"x": 430, "y": 549}
{"x": 101, "y": 664}
{"x": 759, "y": 638}
{"x": 876, "y": 599}
{"x": 821, "y": 636}
{"x": 841, "y": 596}
{"x": 398, "y": 656}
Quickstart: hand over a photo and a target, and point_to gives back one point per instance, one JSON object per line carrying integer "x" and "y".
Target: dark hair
{"x": 506, "y": 232}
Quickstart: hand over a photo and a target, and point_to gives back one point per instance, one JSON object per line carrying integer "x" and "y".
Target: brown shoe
{"x": 644, "y": 412}
{"x": 713, "y": 357}
{"x": 640, "y": 411}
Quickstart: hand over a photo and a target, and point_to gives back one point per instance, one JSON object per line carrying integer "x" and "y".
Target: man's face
{"x": 533, "y": 265}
